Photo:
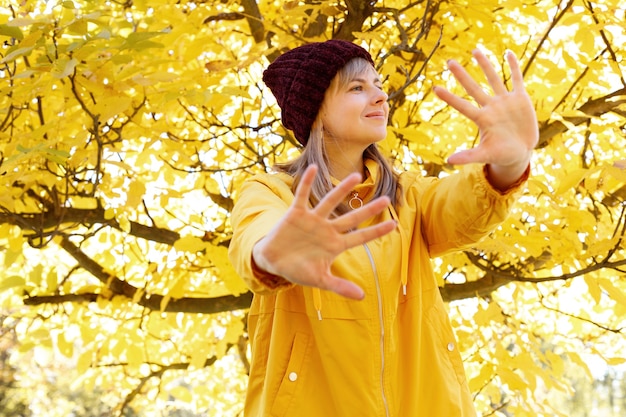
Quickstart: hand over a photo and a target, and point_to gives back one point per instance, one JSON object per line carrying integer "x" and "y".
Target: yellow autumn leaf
{"x": 13, "y": 281}
{"x": 618, "y": 170}
{"x": 135, "y": 193}
{"x": 485, "y": 375}
{"x": 108, "y": 107}
{"x": 556, "y": 362}
{"x": 65, "y": 346}
{"x": 199, "y": 356}
{"x": 594, "y": 288}
{"x": 181, "y": 393}
{"x": 84, "y": 361}
{"x": 64, "y": 68}
{"x": 16, "y": 53}
{"x": 135, "y": 354}
{"x": 164, "y": 302}
{"x": 512, "y": 379}
{"x": 85, "y": 202}
{"x": 616, "y": 361}
{"x": 191, "y": 244}
{"x": 614, "y": 293}
{"x": 571, "y": 181}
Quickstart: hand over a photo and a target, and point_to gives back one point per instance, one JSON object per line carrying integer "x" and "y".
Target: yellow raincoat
{"x": 317, "y": 354}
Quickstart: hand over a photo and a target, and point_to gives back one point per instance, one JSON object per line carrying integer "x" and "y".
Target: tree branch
{"x": 156, "y": 374}
{"x": 592, "y": 108}
{"x": 39, "y": 222}
{"x": 118, "y": 287}
{"x": 195, "y": 305}
{"x": 494, "y": 279}
{"x": 470, "y": 289}
{"x": 574, "y": 316}
{"x": 544, "y": 38}
{"x": 254, "y": 19}
{"x": 358, "y": 12}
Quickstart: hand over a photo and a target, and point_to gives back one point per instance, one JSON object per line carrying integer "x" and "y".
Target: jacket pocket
{"x": 333, "y": 306}
{"x": 292, "y": 378}
{"x": 446, "y": 344}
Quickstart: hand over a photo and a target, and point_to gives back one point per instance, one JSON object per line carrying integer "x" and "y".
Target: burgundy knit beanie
{"x": 299, "y": 78}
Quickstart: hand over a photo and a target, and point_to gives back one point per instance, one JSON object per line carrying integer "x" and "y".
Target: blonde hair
{"x": 314, "y": 151}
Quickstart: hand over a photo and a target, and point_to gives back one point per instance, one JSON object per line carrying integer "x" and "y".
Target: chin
{"x": 380, "y": 137}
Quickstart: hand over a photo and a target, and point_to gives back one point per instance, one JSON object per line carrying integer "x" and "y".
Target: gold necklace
{"x": 355, "y": 202}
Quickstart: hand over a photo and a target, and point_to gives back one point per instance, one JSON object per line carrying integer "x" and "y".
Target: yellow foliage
{"x": 614, "y": 292}
{"x": 485, "y": 376}
{"x": 594, "y": 288}
{"x": 512, "y": 379}
{"x": 191, "y": 244}
{"x": 126, "y": 133}
{"x": 11, "y": 282}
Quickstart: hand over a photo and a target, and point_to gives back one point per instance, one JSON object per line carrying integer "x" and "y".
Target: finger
{"x": 303, "y": 191}
{"x": 361, "y": 236}
{"x": 516, "y": 73}
{"x": 494, "y": 80}
{"x": 331, "y": 200}
{"x": 353, "y": 218}
{"x": 468, "y": 83}
{"x": 464, "y": 107}
{"x": 344, "y": 288}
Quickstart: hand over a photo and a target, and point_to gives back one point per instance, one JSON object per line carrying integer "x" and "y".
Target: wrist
{"x": 505, "y": 177}
{"x": 262, "y": 273}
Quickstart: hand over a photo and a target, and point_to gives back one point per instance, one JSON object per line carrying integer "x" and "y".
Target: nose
{"x": 380, "y": 96}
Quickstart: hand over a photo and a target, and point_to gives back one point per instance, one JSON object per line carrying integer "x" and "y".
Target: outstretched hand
{"x": 506, "y": 120}
{"x": 304, "y": 243}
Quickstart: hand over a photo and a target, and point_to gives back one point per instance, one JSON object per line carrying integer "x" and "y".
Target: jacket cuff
{"x": 511, "y": 187}
{"x": 268, "y": 280}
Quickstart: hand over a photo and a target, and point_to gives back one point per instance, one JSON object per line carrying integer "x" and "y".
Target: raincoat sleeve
{"x": 459, "y": 210}
{"x": 263, "y": 200}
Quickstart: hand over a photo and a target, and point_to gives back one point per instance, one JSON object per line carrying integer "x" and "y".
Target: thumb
{"x": 468, "y": 156}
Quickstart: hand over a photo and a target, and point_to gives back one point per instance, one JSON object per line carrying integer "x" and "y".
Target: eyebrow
{"x": 363, "y": 80}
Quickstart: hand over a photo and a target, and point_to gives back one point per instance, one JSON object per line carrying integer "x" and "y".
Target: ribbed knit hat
{"x": 299, "y": 78}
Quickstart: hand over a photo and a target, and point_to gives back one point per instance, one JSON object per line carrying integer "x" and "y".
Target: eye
{"x": 356, "y": 88}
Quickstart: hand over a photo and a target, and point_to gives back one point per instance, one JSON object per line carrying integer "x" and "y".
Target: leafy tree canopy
{"x": 126, "y": 129}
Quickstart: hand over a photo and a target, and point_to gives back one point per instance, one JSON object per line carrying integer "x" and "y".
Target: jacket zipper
{"x": 382, "y": 328}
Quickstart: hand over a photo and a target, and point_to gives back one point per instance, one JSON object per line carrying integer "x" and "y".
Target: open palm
{"x": 304, "y": 243}
{"x": 506, "y": 120}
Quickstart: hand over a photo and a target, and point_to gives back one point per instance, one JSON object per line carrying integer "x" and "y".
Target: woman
{"x": 347, "y": 319}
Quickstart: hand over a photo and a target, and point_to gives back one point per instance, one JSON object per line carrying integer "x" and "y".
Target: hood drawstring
{"x": 404, "y": 245}
{"x": 317, "y": 302}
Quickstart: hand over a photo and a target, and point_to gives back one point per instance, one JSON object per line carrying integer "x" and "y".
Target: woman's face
{"x": 355, "y": 110}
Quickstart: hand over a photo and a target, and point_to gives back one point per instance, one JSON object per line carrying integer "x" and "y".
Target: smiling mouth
{"x": 375, "y": 114}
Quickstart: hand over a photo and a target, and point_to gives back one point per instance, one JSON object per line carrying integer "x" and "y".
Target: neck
{"x": 343, "y": 165}
{"x": 344, "y": 160}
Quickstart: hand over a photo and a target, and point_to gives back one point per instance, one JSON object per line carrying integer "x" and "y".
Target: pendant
{"x": 355, "y": 202}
